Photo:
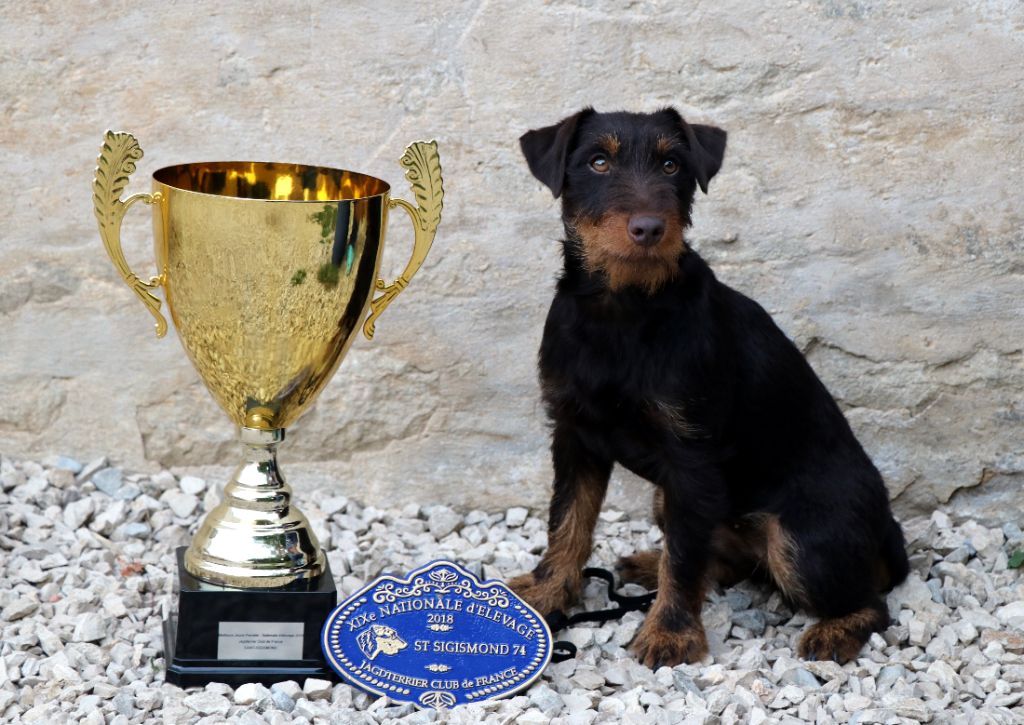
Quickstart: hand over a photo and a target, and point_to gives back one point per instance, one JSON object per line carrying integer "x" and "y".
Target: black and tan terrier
{"x": 650, "y": 362}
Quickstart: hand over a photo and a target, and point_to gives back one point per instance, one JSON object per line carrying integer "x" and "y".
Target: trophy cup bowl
{"x": 268, "y": 271}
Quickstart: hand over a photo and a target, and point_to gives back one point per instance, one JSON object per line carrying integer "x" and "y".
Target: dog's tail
{"x": 894, "y": 564}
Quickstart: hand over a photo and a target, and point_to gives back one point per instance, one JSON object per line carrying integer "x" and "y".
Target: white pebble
{"x": 19, "y": 608}
{"x": 192, "y": 484}
{"x": 315, "y": 689}
{"x": 516, "y": 517}
{"x": 249, "y": 693}
{"x": 78, "y": 512}
{"x": 90, "y": 627}
{"x": 208, "y": 703}
{"x": 182, "y": 504}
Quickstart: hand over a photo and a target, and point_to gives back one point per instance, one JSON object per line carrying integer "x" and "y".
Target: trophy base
{"x": 234, "y": 636}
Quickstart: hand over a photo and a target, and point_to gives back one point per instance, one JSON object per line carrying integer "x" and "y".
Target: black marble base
{"x": 195, "y": 640}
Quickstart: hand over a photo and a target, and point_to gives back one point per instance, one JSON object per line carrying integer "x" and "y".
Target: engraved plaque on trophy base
{"x": 230, "y": 635}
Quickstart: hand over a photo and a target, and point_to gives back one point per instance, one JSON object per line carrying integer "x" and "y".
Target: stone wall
{"x": 870, "y": 200}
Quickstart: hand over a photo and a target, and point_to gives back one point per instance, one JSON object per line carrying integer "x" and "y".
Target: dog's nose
{"x": 646, "y": 230}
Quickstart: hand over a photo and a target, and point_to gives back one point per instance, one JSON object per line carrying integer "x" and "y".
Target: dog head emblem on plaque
{"x": 437, "y": 638}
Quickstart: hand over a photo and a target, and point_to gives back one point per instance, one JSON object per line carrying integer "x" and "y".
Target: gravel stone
{"x": 912, "y": 708}
{"x": 182, "y": 504}
{"x": 282, "y": 701}
{"x": 588, "y": 678}
{"x": 192, "y": 485}
{"x": 516, "y": 517}
{"x": 545, "y": 699}
{"x": 442, "y": 521}
{"x": 110, "y": 516}
{"x": 801, "y": 678}
{"x": 124, "y": 703}
{"x": 19, "y": 608}
{"x": 1012, "y": 614}
{"x": 288, "y": 687}
{"x": 533, "y": 717}
{"x": 615, "y": 676}
{"x": 576, "y": 701}
{"x": 63, "y": 463}
{"x": 890, "y": 675}
{"x": 315, "y": 689}
{"x": 752, "y": 620}
{"x": 133, "y": 530}
{"x": 108, "y": 480}
{"x": 50, "y": 643}
{"x": 90, "y": 468}
{"x": 249, "y": 693}
{"x": 128, "y": 492}
{"x": 78, "y": 512}
{"x": 333, "y": 505}
{"x": 208, "y": 703}
{"x": 81, "y": 618}
{"x": 90, "y": 627}
{"x": 88, "y": 703}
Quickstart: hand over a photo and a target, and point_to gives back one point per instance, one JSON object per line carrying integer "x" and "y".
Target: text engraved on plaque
{"x": 260, "y": 640}
{"x": 437, "y": 638}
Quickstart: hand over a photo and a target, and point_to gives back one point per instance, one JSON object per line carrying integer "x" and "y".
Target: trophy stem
{"x": 255, "y": 537}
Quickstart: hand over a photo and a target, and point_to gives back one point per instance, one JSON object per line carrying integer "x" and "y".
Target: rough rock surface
{"x": 870, "y": 199}
{"x": 80, "y": 633}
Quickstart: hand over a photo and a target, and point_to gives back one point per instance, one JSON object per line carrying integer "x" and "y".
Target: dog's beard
{"x": 604, "y": 246}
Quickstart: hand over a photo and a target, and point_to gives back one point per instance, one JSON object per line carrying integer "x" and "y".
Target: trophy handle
{"x": 423, "y": 171}
{"x": 115, "y": 164}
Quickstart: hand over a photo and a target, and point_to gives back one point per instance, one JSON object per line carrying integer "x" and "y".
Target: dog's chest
{"x": 616, "y": 372}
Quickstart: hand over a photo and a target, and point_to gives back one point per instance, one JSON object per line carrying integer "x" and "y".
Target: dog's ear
{"x": 710, "y": 140}
{"x": 546, "y": 150}
{"x": 707, "y": 148}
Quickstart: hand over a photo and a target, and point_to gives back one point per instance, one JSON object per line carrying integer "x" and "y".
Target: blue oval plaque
{"x": 437, "y": 638}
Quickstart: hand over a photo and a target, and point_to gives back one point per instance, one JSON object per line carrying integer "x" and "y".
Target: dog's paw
{"x": 829, "y": 640}
{"x": 544, "y": 595}
{"x": 640, "y": 568}
{"x": 656, "y": 646}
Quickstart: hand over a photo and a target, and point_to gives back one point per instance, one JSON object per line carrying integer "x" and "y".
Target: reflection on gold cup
{"x": 268, "y": 271}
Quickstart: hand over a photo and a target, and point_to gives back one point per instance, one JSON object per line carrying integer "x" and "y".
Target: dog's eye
{"x": 600, "y": 164}
{"x": 669, "y": 166}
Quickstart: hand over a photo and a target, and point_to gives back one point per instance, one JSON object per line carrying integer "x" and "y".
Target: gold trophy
{"x": 268, "y": 271}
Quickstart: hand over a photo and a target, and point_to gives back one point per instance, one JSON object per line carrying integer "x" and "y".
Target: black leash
{"x": 558, "y": 620}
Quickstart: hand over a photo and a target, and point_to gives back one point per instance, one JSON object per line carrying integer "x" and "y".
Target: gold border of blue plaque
{"x": 437, "y": 638}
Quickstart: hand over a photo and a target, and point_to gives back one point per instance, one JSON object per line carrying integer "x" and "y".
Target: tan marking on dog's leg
{"x": 661, "y": 640}
{"x": 780, "y": 556}
{"x": 640, "y": 568}
{"x": 842, "y": 638}
{"x": 556, "y": 582}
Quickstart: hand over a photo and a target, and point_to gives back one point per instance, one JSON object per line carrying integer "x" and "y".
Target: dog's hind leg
{"x": 820, "y": 571}
{"x": 642, "y": 568}
{"x": 735, "y": 553}
{"x": 842, "y": 637}
{"x": 581, "y": 480}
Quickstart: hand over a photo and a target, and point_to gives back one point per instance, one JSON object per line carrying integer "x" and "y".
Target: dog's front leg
{"x": 581, "y": 480}
{"x": 672, "y": 631}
